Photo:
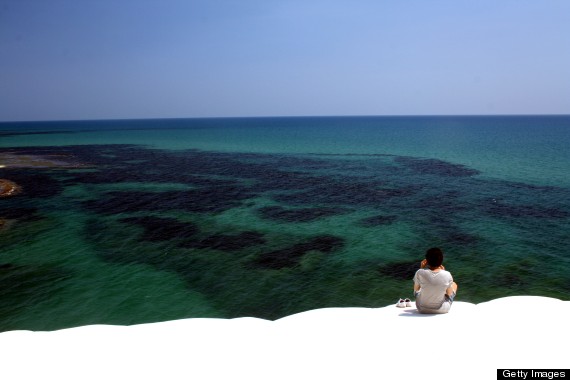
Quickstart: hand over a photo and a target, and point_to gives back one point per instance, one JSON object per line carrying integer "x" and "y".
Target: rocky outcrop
{"x": 8, "y": 188}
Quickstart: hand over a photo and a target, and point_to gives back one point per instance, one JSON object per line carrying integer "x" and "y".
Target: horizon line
{"x": 278, "y": 117}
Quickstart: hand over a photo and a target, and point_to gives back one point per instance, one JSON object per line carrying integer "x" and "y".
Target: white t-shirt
{"x": 432, "y": 288}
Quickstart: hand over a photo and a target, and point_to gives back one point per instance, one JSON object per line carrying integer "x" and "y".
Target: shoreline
{"x": 38, "y": 160}
{"x": 10, "y": 160}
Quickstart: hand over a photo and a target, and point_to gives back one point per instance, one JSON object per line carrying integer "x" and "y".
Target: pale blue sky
{"x": 106, "y": 59}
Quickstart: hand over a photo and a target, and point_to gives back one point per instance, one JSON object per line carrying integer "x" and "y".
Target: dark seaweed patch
{"x": 289, "y": 257}
{"x": 515, "y": 275}
{"x": 400, "y": 271}
{"x": 461, "y": 238}
{"x": 347, "y": 193}
{"x": 143, "y": 175}
{"x": 35, "y": 184}
{"x": 288, "y": 161}
{"x": 225, "y": 242}
{"x": 23, "y": 286}
{"x": 378, "y": 220}
{"x": 436, "y": 167}
{"x": 271, "y": 178}
{"x": 299, "y": 215}
{"x": 528, "y": 186}
{"x": 160, "y": 229}
{"x": 203, "y": 200}
{"x": 21, "y": 213}
{"x": 519, "y": 211}
{"x": 447, "y": 202}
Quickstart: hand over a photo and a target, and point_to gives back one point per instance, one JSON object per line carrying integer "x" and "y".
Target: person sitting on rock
{"x": 434, "y": 287}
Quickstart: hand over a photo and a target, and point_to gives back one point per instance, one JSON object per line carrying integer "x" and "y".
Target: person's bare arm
{"x": 452, "y": 289}
{"x": 423, "y": 264}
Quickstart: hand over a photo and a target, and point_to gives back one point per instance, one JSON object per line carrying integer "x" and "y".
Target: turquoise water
{"x": 266, "y": 217}
{"x": 525, "y": 148}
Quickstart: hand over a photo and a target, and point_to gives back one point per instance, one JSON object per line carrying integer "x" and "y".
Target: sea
{"x": 136, "y": 221}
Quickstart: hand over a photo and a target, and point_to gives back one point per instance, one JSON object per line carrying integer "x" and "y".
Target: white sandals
{"x": 404, "y": 303}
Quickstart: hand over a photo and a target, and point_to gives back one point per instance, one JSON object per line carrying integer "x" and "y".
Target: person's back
{"x": 434, "y": 287}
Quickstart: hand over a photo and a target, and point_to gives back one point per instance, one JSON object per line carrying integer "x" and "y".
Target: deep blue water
{"x": 152, "y": 220}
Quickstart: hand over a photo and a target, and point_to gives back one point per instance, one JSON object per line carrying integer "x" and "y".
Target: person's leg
{"x": 449, "y": 295}
{"x": 417, "y": 296}
{"x": 452, "y": 290}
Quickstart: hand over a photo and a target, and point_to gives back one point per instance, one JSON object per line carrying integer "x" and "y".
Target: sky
{"x": 109, "y": 59}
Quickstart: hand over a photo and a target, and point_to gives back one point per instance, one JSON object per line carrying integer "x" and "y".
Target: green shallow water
{"x": 266, "y": 218}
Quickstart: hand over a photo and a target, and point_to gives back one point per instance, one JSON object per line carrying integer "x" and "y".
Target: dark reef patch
{"x": 202, "y": 200}
{"x": 161, "y": 229}
{"x": 23, "y": 286}
{"x": 289, "y": 161}
{"x": 299, "y": 215}
{"x": 400, "y": 271}
{"x": 378, "y": 220}
{"x": 281, "y": 180}
{"x": 289, "y": 257}
{"x": 435, "y": 167}
{"x": 446, "y": 202}
{"x": 345, "y": 193}
{"x": 21, "y": 213}
{"x": 226, "y": 242}
{"x": 35, "y": 183}
{"x": 515, "y": 275}
{"x": 458, "y": 238}
{"x": 498, "y": 209}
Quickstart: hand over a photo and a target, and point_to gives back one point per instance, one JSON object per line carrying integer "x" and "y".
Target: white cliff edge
{"x": 471, "y": 342}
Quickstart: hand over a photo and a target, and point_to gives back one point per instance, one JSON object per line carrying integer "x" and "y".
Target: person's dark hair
{"x": 434, "y": 257}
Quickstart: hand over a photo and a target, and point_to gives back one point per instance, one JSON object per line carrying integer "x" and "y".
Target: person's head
{"x": 434, "y": 257}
